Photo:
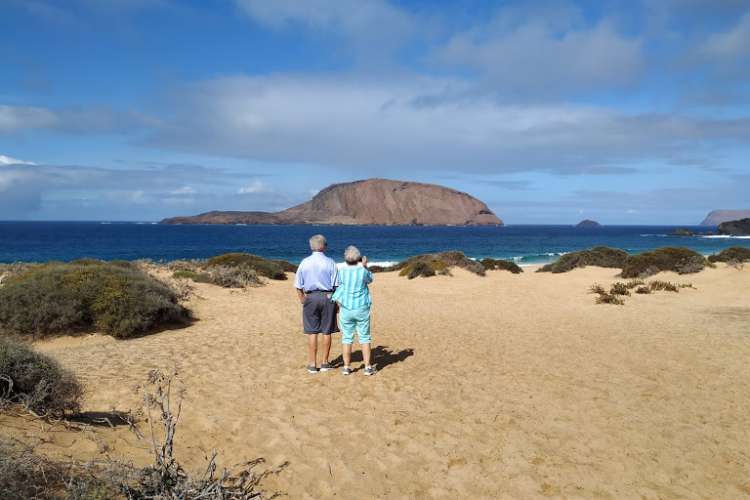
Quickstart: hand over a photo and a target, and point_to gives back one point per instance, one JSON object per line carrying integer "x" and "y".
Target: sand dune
{"x": 508, "y": 386}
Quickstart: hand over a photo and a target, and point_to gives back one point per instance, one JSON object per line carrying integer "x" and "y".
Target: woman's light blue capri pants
{"x": 351, "y": 318}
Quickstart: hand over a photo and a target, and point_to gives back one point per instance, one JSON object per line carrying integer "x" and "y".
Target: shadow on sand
{"x": 381, "y": 357}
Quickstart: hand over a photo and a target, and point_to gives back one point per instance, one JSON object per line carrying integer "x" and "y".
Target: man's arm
{"x": 301, "y": 295}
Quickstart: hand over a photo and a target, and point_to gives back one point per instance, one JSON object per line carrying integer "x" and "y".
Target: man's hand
{"x": 301, "y": 295}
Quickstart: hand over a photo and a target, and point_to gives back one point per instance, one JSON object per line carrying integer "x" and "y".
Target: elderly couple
{"x": 323, "y": 289}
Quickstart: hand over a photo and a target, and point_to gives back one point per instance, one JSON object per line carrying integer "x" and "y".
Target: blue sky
{"x": 624, "y": 112}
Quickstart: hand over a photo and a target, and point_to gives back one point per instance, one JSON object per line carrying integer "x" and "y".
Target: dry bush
{"x": 501, "y": 265}
{"x": 643, "y": 289}
{"x": 272, "y": 269}
{"x": 444, "y": 260}
{"x": 732, "y": 256}
{"x": 600, "y": 256}
{"x": 597, "y": 288}
{"x": 65, "y": 298}
{"x": 419, "y": 268}
{"x": 681, "y": 260}
{"x": 609, "y": 299}
{"x": 635, "y": 283}
{"x": 186, "y": 265}
{"x": 229, "y": 277}
{"x": 619, "y": 289}
{"x": 663, "y": 285}
{"x": 36, "y": 381}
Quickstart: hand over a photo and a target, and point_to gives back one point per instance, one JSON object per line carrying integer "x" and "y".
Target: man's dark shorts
{"x": 319, "y": 314}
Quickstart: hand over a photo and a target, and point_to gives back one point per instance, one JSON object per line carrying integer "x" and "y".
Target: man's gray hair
{"x": 317, "y": 243}
{"x": 351, "y": 255}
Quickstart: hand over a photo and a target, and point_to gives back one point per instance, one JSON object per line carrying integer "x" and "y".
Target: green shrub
{"x": 619, "y": 289}
{"x": 677, "y": 259}
{"x": 185, "y": 265}
{"x": 501, "y": 265}
{"x": 421, "y": 269}
{"x": 732, "y": 255}
{"x": 36, "y": 380}
{"x": 121, "y": 263}
{"x": 376, "y": 269}
{"x": 86, "y": 261}
{"x": 444, "y": 260}
{"x": 600, "y": 256}
{"x": 233, "y": 277}
{"x": 272, "y": 269}
{"x": 66, "y": 298}
{"x": 189, "y": 275}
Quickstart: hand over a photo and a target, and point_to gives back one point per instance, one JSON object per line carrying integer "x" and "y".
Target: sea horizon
{"x": 525, "y": 244}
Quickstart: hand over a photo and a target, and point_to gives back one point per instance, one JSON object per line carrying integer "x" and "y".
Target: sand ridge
{"x": 507, "y": 386}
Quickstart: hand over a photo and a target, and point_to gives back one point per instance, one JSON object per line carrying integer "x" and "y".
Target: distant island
{"x": 590, "y": 223}
{"x": 369, "y": 202}
{"x": 716, "y": 217}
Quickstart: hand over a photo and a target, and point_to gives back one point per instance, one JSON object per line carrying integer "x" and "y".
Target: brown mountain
{"x": 369, "y": 202}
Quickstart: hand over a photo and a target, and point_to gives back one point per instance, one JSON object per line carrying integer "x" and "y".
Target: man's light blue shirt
{"x": 317, "y": 272}
{"x": 353, "y": 292}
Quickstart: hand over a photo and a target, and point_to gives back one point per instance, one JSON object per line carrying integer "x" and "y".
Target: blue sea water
{"x": 525, "y": 244}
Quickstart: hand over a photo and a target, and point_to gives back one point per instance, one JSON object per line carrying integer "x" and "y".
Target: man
{"x": 316, "y": 279}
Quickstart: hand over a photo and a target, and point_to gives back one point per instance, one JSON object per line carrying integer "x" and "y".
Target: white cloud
{"x": 15, "y": 118}
{"x": 423, "y": 123}
{"x": 372, "y": 25}
{"x": 184, "y": 190}
{"x": 539, "y": 56}
{"x": 6, "y": 160}
{"x": 255, "y": 187}
{"x": 731, "y": 45}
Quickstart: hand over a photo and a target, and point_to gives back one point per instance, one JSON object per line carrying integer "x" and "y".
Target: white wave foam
{"x": 370, "y": 264}
{"x": 725, "y": 236}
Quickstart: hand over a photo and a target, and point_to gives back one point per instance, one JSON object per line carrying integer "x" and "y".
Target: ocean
{"x": 524, "y": 244}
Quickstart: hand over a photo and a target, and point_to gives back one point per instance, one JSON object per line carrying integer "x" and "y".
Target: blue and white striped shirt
{"x": 353, "y": 292}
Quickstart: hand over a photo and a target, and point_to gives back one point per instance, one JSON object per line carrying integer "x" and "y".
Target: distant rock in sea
{"x": 369, "y": 202}
{"x": 590, "y": 223}
{"x": 716, "y": 217}
{"x": 735, "y": 228}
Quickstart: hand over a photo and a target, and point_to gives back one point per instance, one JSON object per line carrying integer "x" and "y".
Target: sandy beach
{"x": 505, "y": 386}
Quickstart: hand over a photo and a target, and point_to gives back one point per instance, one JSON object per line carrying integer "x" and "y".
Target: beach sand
{"x": 506, "y": 386}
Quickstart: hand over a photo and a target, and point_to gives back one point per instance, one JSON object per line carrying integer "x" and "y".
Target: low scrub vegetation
{"x": 501, "y": 265}
{"x": 600, "y": 256}
{"x": 27, "y": 474}
{"x": 681, "y": 260}
{"x": 619, "y": 290}
{"x": 36, "y": 381}
{"x": 732, "y": 256}
{"x": 429, "y": 264}
{"x": 55, "y": 298}
{"x": 272, "y": 269}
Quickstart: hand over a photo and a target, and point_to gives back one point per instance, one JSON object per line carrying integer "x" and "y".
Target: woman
{"x": 354, "y": 298}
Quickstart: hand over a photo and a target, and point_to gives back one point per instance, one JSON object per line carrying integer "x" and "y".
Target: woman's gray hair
{"x": 351, "y": 255}
{"x": 317, "y": 243}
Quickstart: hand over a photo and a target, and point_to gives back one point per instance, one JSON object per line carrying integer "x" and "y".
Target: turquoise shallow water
{"x": 526, "y": 244}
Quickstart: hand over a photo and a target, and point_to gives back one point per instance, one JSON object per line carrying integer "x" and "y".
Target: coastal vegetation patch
{"x": 600, "y": 256}
{"x": 732, "y": 256}
{"x": 272, "y": 269}
{"x": 618, "y": 290}
{"x": 681, "y": 260}
{"x": 36, "y": 381}
{"x": 55, "y": 298}
{"x": 27, "y": 474}
{"x": 500, "y": 265}
{"x": 427, "y": 265}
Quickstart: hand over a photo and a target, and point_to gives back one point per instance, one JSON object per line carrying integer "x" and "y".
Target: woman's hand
{"x": 364, "y": 262}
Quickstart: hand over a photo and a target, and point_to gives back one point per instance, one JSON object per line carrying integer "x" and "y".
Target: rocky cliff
{"x": 716, "y": 217}
{"x": 735, "y": 227}
{"x": 369, "y": 202}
